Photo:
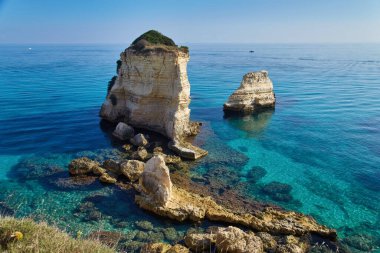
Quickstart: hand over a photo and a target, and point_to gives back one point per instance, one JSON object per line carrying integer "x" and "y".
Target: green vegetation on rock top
{"x": 156, "y": 38}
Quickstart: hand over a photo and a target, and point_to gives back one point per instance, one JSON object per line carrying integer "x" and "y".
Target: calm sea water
{"x": 323, "y": 139}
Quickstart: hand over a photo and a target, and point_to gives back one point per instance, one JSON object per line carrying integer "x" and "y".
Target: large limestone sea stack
{"x": 255, "y": 93}
{"x": 152, "y": 91}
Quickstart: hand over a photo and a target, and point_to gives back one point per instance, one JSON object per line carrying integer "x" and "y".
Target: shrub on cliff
{"x": 25, "y": 235}
{"x": 156, "y": 38}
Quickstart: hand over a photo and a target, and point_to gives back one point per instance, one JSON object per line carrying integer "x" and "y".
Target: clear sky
{"x": 223, "y": 21}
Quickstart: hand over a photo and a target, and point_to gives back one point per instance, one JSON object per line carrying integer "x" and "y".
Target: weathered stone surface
{"x": 155, "y": 183}
{"x": 178, "y": 248}
{"x": 255, "y": 92}
{"x": 82, "y": 165}
{"x": 123, "y": 131}
{"x": 112, "y": 166}
{"x": 199, "y": 242}
{"x": 139, "y": 140}
{"x": 184, "y": 205}
{"x": 152, "y": 91}
{"x": 187, "y": 150}
{"x": 235, "y": 240}
{"x": 141, "y": 154}
{"x": 132, "y": 169}
{"x": 97, "y": 170}
{"x": 107, "y": 178}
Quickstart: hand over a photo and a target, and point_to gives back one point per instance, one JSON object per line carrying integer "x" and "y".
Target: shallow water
{"x": 323, "y": 139}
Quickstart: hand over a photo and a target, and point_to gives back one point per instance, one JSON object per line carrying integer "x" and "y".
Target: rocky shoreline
{"x": 255, "y": 227}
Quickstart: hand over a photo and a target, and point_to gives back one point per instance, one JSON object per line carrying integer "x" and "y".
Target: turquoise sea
{"x": 322, "y": 142}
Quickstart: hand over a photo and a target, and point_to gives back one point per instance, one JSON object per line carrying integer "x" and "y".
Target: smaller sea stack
{"x": 255, "y": 93}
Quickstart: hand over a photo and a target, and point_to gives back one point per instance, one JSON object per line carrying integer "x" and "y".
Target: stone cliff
{"x": 152, "y": 91}
{"x": 255, "y": 92}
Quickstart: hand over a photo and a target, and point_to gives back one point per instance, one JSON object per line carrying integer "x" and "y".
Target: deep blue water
{"x": 323, "y": 139}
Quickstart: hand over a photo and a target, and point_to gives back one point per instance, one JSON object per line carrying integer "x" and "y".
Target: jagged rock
{"x": 183, "y": 205}
{"x": 152, "y": 90}
{"x": 141, "y": 154}
{"x": 112, "y": 166}
{"x": 81, "y": 166}
{"x": 155, "y": 182}
{"x": 107, "y": 178}
{"x": 123, "y": 131}
{"x": 255, "y": 92}
{"x": 235, "y": 240}
{"x": 132, "y": 169}
{"x": 139, "y": 140}
{"x": 199, "y": 242}
{"x": 269, "y": 242}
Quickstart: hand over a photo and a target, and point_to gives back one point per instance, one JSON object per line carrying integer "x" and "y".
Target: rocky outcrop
{"x": 183, "y": 205}
{"x": 235, "y": 240}
{"x": 152, "y": 90}
{"x": 83, "y": 165}
{"x": 158, "y": 195}
{"x": 255, "y": 92}
{"x": 155, "y": 183}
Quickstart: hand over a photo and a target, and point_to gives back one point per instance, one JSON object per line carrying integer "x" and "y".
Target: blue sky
{"x": 222, "y": 21}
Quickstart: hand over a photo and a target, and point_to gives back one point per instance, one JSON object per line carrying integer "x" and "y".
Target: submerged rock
{"x": 152, "y": 90}
{"x": 155, "y": 182}
{"x": 123, "y": 131}
{"x": 255, "y": 92}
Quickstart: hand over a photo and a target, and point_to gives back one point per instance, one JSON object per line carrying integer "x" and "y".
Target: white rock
{"x": 156, "y": 181}
{"x": 255, "y": 92}
{"x": 152, "y": 91}
{"x": 123, "y": 131}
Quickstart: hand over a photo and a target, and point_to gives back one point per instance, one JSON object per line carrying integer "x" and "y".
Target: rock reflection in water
{"x": 252, "y": 124}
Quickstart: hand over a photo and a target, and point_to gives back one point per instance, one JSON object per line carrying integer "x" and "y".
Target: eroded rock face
{"x": 255, "y": 92}
{"x": 152, "y": 91}
{"x": 155, "y": 182}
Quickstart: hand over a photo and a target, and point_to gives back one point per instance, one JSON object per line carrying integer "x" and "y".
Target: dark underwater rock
{"x": 360, "y": 241}
{"x": 256, "y": 173}
{"x": 278, "y": 191}
{"x": 5, "y": 210}
{"x": 35, "y": 167}
{"x": 71, "y": 183}
{"x": 145, "y": 225}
